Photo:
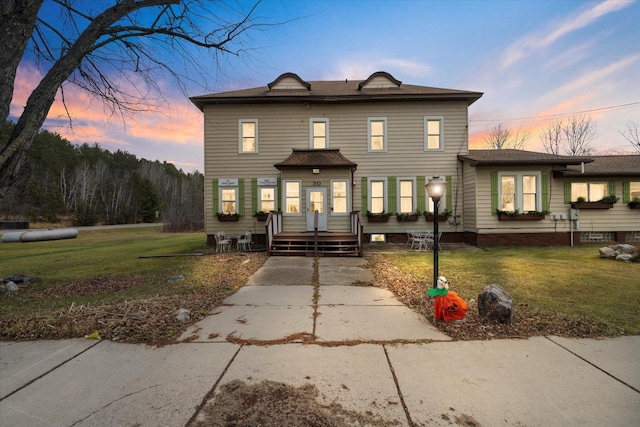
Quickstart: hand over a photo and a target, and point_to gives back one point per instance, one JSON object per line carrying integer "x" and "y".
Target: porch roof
{"x": 513, "y": 157}
{"x": 305, "y": 158}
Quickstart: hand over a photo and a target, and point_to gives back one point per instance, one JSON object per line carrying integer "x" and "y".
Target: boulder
{"x": 624, "y": 249}
{"x": 624, "y": 257}
{"x": 183, "y": 315}
{"x": 495, "y": 304}
{"x": 607, "y": 252}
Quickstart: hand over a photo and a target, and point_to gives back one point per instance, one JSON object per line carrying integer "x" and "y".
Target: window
{"x": 229, "y": 200}
{"x": 378, "y": 196}
{"x": 248, "y": 141}
{"x": 292, "y": 197}
{"x": 519, "y": 192}
{"x": 589, "y": 191}
{"x": 634, "y": 190}
{"x": 433, "y": 133}
{"x": 267, "y": 200}
{"x": 406, "y": 193}
{"x": 377, "y": 134}
{"x": 319, "y": 131}
{"x": 339, "y": 197}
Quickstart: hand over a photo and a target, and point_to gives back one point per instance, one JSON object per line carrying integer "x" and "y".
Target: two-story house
{"x": 331, "y": 147}
{"x": 339, "y": 162}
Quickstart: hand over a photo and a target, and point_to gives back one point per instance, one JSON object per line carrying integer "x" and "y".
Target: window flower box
{"x": 591, "y": 205}
{"x": 506, "y": 216}
{"x": 378, "y": 217}
{"x": 228, "y": 217}
{"x": 261, "y": 216}
{"x": 408, "y": 217}
{"x": 443, "y": 216}
{"x": 634, "y": 205}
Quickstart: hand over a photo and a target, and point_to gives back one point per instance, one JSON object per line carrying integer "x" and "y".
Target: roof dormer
{"x": 289, "y": 81}
{"x": 380, "y": 80}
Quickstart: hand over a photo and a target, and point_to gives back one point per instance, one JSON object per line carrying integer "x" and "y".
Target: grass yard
{"x": 98, "y": 282}
{"x": 571, "y": 285}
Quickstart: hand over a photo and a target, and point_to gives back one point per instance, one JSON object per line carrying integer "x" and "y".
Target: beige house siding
{"x": 282, "y": 127}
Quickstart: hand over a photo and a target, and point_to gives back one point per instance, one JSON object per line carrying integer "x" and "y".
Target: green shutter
{"x": 421, "y": 196}
{"x": 241, "y": 196}
{"x": 545, "y": 191}
{"x": 626, "y": 191}
{"x": 214, "y": 198}
{"x": 279, "y": 195}
{"x": 254, "y": 195}
{"x": 392, "y": 189}
{"x": 567, "y": 192}
{"x": 364, "y": 190}
{"x": 449, "y": 198}
{"x": 612, "y": 188}
{"x": 494, "y": 192}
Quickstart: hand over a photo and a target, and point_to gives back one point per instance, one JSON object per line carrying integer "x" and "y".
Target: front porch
{"x": 314, "y": 243}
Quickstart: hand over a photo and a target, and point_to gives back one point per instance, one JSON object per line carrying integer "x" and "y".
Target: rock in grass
{"x": 495, "y": 304}
{"x": 183, "y": 314}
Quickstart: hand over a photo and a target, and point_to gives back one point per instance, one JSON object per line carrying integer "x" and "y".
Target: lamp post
{"x": 435, "y": 189}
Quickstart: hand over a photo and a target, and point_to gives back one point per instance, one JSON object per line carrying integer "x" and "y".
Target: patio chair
{"x": 412, "y": 238}
{"x": 222, "y": 243}
{"x": 244, "y": 242}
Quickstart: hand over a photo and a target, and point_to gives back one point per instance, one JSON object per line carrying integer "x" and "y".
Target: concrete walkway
{"x": 302, "y": 321}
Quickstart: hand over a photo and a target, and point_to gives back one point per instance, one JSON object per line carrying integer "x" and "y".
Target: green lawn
{"x": 570, "y": 281}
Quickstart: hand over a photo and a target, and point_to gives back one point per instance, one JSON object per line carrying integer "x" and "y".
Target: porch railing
{"x": 357, "y": 229}
{"x": 273, "y": 226}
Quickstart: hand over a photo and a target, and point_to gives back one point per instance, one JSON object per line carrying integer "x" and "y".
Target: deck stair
{"x": 304, "y": 244}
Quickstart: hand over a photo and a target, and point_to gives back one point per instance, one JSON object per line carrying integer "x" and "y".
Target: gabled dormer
{"x": 289, "y": 81}
{"x": 380, "y": 80}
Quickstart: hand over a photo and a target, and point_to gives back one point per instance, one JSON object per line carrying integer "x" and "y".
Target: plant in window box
{"x": 516, "y": 215}
{"x": 442, "y": 216}
{"x": 378, "y": 217}
{"x": 261, "y": 215}
{"x": 408, "y": 216}
{"x": 634, "y": 203}
{"x": 227, "y": 216}
{"x": 604, "y": 203}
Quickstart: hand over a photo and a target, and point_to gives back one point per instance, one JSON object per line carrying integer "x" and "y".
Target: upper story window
{"x": 292, "y": 197}
{"x": 589, "y": 191}
{"x": 377, "y": 134}
{"x": 339, "y": 196}
{"x": 248, "y": 136}
{"x": 433, "y": 133}
{"x": 319, "y": 133}
{"x": 406, "y": 192}
{"x": 519, "y": 192}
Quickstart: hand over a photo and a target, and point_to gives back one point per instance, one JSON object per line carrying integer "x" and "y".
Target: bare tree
{"x": 500, "y": 138}
{"x": 94, "y": 49}
{"x": 632, "y": 133}
{"x": 551, "y": 138}
{"x": 579, "y": 133}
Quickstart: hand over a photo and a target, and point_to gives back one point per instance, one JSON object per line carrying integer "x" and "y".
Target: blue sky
{"x": 535, "y": 61}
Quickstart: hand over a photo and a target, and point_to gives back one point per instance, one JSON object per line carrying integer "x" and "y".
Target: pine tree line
{"x": 93, "y": 186}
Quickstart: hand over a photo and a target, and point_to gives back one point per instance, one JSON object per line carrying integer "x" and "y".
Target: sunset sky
{"x": 536, "y": 62}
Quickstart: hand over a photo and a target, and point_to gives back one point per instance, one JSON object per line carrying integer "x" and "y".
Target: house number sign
{"x": 317, "y": 183}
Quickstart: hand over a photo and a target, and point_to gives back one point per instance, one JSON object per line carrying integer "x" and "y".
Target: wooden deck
{"x": 305, "y": 244}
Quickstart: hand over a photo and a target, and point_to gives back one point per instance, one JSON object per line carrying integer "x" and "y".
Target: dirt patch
{"x": 95, "y": 286}
{"x": 274, "y": 404}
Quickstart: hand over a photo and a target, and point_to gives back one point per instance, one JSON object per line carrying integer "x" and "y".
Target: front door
{"x": 317, "y": 201}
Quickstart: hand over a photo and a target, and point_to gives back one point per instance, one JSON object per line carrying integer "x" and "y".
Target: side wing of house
{"x": 526, "y": 198}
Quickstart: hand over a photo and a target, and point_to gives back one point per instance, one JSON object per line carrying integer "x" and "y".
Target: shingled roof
{"x": 512, "y": 157}
{"x": 624, "y": 165}
{"x": 335, "y": 91}
{"x": 330, "y": 157}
